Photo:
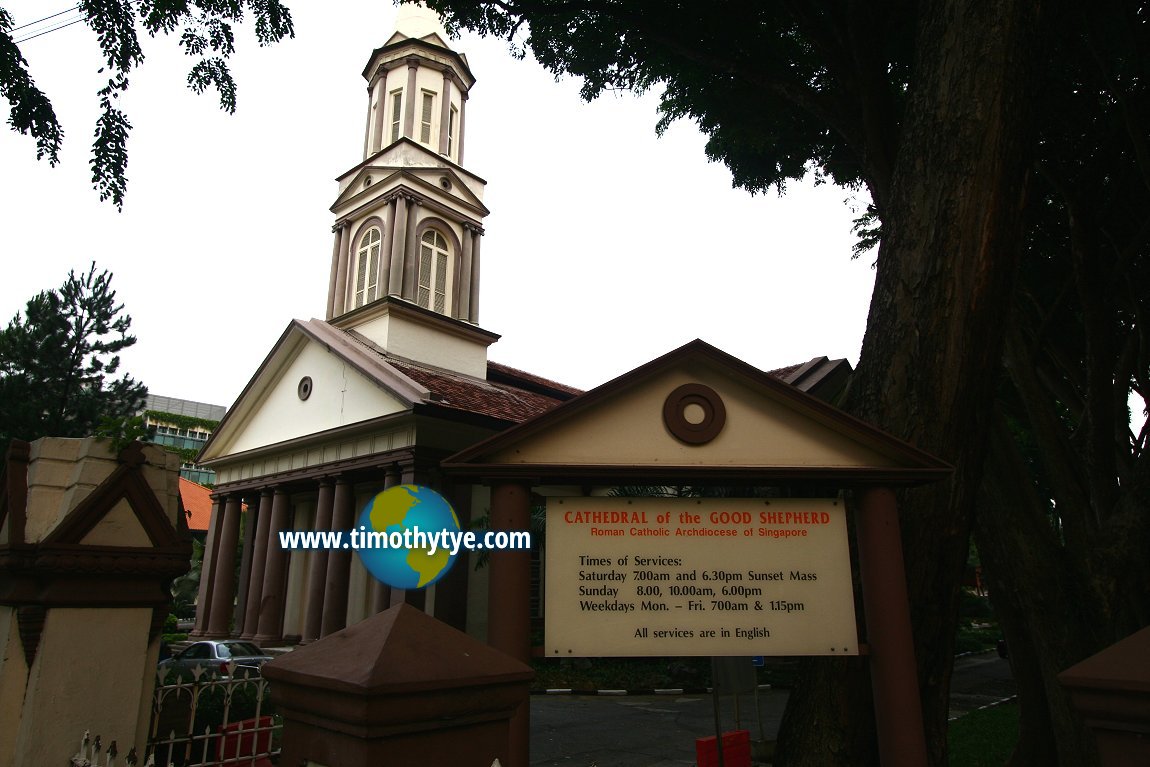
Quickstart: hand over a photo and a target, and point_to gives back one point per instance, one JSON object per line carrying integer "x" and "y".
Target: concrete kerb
{"x": 637, "y": 691}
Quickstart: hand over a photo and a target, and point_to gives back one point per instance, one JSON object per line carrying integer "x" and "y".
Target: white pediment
{"x": 432, "y": 38}
{"x": 345, "y": 384}
{"x": 406, "y": 158}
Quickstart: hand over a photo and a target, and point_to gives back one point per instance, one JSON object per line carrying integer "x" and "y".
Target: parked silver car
{"x": 215, "y": 655}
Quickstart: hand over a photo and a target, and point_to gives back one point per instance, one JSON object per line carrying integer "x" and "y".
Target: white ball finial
{"x": 414, "y": 20}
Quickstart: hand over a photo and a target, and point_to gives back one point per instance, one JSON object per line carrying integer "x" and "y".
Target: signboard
{"x": 698, "y": 576}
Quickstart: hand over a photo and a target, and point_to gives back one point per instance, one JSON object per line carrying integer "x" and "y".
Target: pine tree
{"x": 59, "y": 363}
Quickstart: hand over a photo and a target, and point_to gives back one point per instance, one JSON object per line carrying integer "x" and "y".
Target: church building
{"x": 395, "y": 377}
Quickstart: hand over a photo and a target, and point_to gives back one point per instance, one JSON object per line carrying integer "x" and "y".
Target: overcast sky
{"x": 606, "y": 246}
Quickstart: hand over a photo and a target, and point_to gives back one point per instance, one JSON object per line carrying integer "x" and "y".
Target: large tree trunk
{"x": 1062, "y": 526}
{"x": 946, "y": 271}
{"x": 1042, "y": 602}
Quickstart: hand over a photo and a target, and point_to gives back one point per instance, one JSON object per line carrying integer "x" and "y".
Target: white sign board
{"x": 698, "y": 576}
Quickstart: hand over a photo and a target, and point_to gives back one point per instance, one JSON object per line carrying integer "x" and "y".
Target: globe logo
{"x": 395, "y": 557}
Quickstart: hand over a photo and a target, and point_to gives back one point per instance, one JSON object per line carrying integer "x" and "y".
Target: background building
{"x": 184, "y": 426}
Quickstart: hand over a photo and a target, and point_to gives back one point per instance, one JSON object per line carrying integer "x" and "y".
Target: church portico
{"x": 294, "y": 595}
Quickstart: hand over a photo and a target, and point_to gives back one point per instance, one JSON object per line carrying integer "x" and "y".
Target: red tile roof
{"x": 497, "y": 399}
{"x": 784, "y": 373}
{"x": 197, "y": 502}
{"x": 510, "y": 394}
{"x": 499, "y": 372}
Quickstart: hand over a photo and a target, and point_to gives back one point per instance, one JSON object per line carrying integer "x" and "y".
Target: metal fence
{"x": 92, "y": 754}
{"x": 219, "y": 717}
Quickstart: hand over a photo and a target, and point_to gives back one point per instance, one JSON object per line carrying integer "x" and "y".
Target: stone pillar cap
{"x": 400, "y": 650}
{"x": 1122, "y": 666}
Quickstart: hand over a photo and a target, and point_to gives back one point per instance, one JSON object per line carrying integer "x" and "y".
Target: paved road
{"x": 639, "y": 730}
{"x": 660, "y": 730}
{"x": 979, "y": 680}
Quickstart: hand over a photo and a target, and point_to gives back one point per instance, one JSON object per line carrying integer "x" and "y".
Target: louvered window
{"x": 396, "y": 113}
{"x": 425, "y": 119}
{"x": 451, "y": 131}
{"x": 433, "y": 259}
{"x": 367, "y": 267}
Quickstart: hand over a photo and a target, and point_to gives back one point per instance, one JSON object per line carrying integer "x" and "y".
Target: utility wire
{"x": 54, "y": 15}
{"x": 46, "y": 31}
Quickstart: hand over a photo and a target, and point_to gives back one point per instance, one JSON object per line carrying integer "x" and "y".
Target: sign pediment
{"x": 692, "y": 415}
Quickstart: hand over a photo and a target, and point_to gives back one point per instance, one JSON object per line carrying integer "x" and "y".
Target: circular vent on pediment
{"x": 445, "y": 182}
{"x": 304, "y": 388}
{"x": 366, "y": 182}
{"x": 694, "y": 414}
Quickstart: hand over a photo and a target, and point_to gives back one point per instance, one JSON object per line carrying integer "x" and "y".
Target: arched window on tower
{"x": 367, "y": 267}
{"x": 433, "y": 259}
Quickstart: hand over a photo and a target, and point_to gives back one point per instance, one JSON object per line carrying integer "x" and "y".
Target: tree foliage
{"x": 205, "y": 29}
{"x": 1064, "y": 524}
{"x": 780, "y": 89}
{"x": 60, "y": 364}
{"x": 1004, "y": 147}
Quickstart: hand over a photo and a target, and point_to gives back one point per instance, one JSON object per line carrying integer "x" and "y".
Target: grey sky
{"x": 606, "y": 246}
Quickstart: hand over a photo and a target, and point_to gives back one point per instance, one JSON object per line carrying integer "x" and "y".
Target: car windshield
{"x": 238, "y": 650}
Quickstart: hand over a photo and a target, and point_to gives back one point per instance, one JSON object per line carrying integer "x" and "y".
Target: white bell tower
{"x": 408, "y": 218}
